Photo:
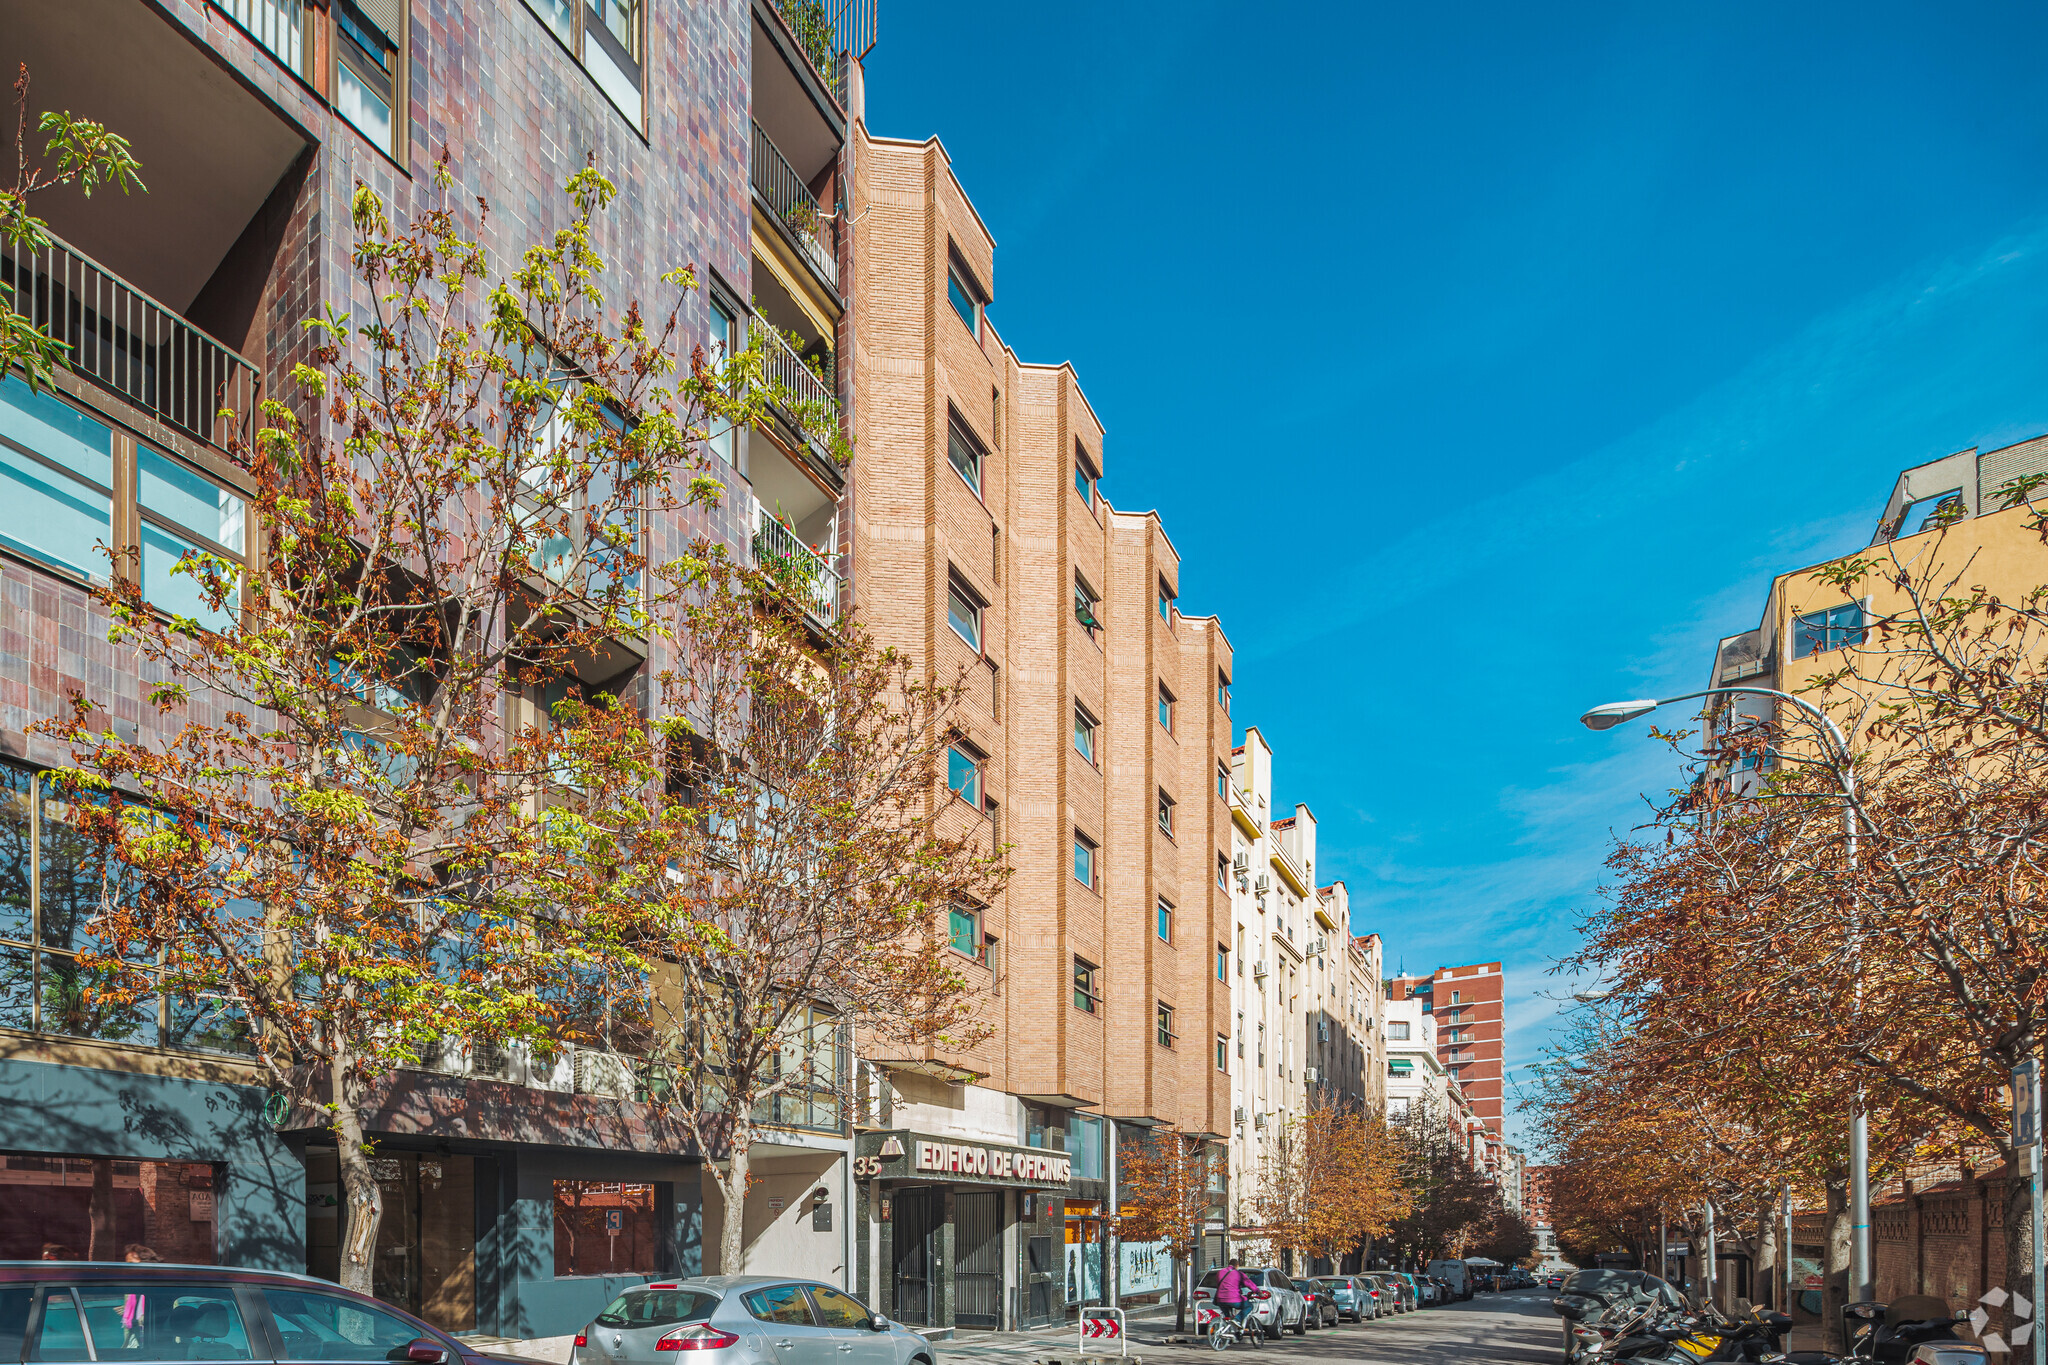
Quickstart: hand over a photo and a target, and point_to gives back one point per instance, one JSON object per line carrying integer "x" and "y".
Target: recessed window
{"x": 963, "y": 773}
{"x": 1162, "y": 1019}
{"x": 1166, "y": 597}
{"x": 1165, "y": 709}
{"x": 964, "y": 455}
{"x": 1165, "y": 813}
{"x": 964, "y": 295}
{"x": 1084, "y": 859}
{"x": 1818, "y": 632}
{"x": 1223, "y": 962}
{"x": 367, "y": 38}
{"x": 1087, "y": 606}
{"x": 1165, "y": 917}
{"x": 1085, "y": 727}
{"x": 963, "y": 931}
{"x": 1397, "y": 1030}
{"x": 963, "y": 613}
{"x": 1085, "y": 476}
{"x": 1223, "y": 690}
{"x": 1222, "y": 1052}
{"x": 606, "y": 36}
{"x": 1925, "y": 514}
{"x": 1223, "y": 871}
{"x": 1222, "y": 781}
{"x": 1087, "y": 986}
{"x": 723, "y": 343}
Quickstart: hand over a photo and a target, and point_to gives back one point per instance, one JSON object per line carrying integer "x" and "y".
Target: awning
{"x": 1400, "y": 1064}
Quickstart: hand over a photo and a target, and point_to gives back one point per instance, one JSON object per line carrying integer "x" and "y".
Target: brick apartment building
{"x": 1466, "y": 1004}
{"x": 1093, "y": 743}
{"x": 724, "y": 131}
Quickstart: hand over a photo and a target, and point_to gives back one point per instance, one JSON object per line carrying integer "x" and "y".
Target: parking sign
{"x": 2026, "y": 1106}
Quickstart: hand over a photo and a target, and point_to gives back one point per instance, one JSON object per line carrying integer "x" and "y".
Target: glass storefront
{"x": 95, "y": 1208}
{"x": 1086, "y": 1242}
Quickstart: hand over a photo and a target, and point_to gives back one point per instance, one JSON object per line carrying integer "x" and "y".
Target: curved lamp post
{"x": 1862, "y": 1285}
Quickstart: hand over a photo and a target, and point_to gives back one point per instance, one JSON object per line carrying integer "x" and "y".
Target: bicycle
{"x": 1226, "y": 1330}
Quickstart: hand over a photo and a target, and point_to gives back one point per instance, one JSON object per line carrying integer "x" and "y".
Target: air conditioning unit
{"x": 1318, "y": 946}
{"x": 1259, "y": 1120}
{"x": 448, "y": 1054}
{"x": 603, "y": 1073}
{"x": 1240, "y": 1114}
{"x": 1241, "y": 863}
{"x": 500, "y": 1061}
{"x": 1259, "y": 969}
{"x": 1322, "y": 1030}
{"x": 557, "y": 1073}
{"x": 1314, "y": 1074}
{"x": 1263, "y": 884}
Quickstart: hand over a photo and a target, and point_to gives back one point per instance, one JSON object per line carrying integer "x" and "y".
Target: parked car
{"x": 1322, "y": 1303}
{"x": 1356, "y": 1297}
{"x": 1413, "y": 1284}
{"x": 728, "y": 1319}
{"x": 1426, "y": 1292}
{"x": 1277, "y": 1304}
{"x": 1402, "y": 1288}
{"x": 1456, "y": 1274}
{"x": 111, "y": 1310}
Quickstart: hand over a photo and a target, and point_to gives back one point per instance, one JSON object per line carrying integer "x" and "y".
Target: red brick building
{"x": 1466, "y": 1003}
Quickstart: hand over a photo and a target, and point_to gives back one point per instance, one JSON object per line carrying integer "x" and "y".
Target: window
{"x": 724, "y": 344}
{"x": 316, "y": 1326}
{"x": 1222, "y": 961}
{"x": 603, "y": 1228}
{"x": 1165, "y": 920}
{"x": 150, "y": 1320}
{"x": 1085, "y": 1145}
{"x": 840, "y": 1310}
{"x": 964, "y": 295}
{"x": 167, "y": 1205}
{"x": 1454, "y": 997}
{"x": 1087, "y": 604}
{"x": 1397, "y": 1030}
{"x": 1165, "y": 814}
{"x": 1084, "y": 859}
{"x": 1223, "y": 781}
{"x": 59, "y": 467}
{"x": 1222, "y": 1052}
{"x": 1240, "y": 1033}
{"x": 606, "y": 36}
{"x": 1163, "y": 1022}
{"x": 1924, "y": 514}
{"x": 1223, "y": 871}
{"x": 1085, "y": 476}
{"x": 1166, "y": 598}
{"x": 963, "y": 774}
{"x": 1165, "y": 709}
{"x": 781, "y": 1303}
{"x": 963, "y": 613}
{"x": 964, "y": 455}
{"x": 813, "y": 1053}
{"x": 366, "y": 69}
{"x": 1084, "y": 732}
{"x": 1817, "y": 632}
{"x": 1223, "y": 690}
{"x": 1086, "y": 993}
{"x": 964, "y": 931}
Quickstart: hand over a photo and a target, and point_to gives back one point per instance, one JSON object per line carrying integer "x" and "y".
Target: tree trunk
{"x": 2019, "y": 1243}
{"x": 101, "y": 1236}
{"x": 362, "y": 1200}
{"x": 1183, "y": 1271}
{"x": 732, "y": 1219}
{"x": 1764, "y": 1250}
{"x": 1836, "y": 1272}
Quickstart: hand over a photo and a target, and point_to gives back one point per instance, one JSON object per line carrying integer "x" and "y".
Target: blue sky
{"x": 1486, "y": 361}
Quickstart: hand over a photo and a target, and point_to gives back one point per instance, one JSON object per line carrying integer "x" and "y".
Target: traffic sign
{"x": 2026, "y": 1128}
{"x": 1679, "y": 1249}
{"x": 1815, "y": 1282}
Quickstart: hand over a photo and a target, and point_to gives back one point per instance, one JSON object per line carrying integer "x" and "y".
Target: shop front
{"x": 959, "y": 1233}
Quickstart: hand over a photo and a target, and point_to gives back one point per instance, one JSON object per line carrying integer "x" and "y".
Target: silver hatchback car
{"x": 744, "y": 1320}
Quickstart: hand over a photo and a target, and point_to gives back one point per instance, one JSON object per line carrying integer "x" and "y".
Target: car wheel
{"x": 1301, "y": 1324}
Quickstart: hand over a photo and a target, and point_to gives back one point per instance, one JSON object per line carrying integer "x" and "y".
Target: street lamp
{"x": 1862, "y": 1286}
{"x": 1591, "y": 997}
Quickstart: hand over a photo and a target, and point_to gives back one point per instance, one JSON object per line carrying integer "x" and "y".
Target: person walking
{"x": 1231, "y": 1284}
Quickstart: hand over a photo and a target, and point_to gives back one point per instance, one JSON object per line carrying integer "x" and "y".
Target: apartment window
{"x": 367, "y": 34}
{"x": 1087, "y": 992}
{"x": 963, "y": 931}
{"x": 965, "y": 296}
{"x": 1454, "y": 997}
{"x": 1223, "y": 690}
{"x": 1240, "y": 1033}
{"x": 1085, "y": 476}
{"x": 1222, "y": 961}
{"x": 1087, "y": 606}
{"x": 995, "y": 823}
{"x": 1085, "y": 1145}
{"x": 1165, "y": 813}
{"x": 1165, "y": 920}
{"x": 1222, "y": 1052}
{"x": 964, "y": 455}
{"x": 1166, "y": 598}
{"x": 1084, "y": 859}
{"x": 1085, "y": 726}
{"x": 607, "y": 37}
{"x": 1924, "y": 514}
{"x": 963, "y": 613}
{"x": 1222, "y": 781}
{"x": 1817, "y": 632}
{"x": 59, "y": 469}
{"x": 1165, "y": 709}
{"x": 724, "y": 342}
{"x": 1223, "y": 871}
{"x": 963, "y": 773}
{"x": 1397, "y": 1030}
{"x": 1162, "y": 1020}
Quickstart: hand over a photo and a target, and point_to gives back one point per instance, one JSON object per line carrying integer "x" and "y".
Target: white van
{"x": 1453, "y": 1273}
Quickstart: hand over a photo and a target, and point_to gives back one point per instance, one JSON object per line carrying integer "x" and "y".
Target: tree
{"x": 344, "y": 851}
{"x": 766, "y": 864}
{"x": 1504, "y": 1236}
{"x": 1446, "y": 1195}
{"x": 1165, "y": 1182}
{"x": 1329, "y": 1181}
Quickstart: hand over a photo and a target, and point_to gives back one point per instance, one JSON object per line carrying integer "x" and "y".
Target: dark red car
{"x": 82, "y": 1311}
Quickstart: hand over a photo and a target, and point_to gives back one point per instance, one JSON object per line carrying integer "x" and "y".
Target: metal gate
{"x": 1039, "y": 1307}
{"x": 978, "y": 1259}
{"x": 916, "y": 1221}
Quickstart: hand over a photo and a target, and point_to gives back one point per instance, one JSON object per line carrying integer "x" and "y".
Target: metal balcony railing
{"x": 279, "y": 25}
{"x": 801, "y": 571}
{"x": 806, "y": 399}
{"x": 793, "y": 204}
{"x": 129, "y": 344}
{"x": 833, "y": 34}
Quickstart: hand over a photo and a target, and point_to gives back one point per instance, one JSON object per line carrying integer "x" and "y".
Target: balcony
{"x": 127, "y": 343}
{"x": 829, "y": 33}
{"x": 802, "y": 572}
{"x": 789, "y": 201}
{"x": 805, "y": 401}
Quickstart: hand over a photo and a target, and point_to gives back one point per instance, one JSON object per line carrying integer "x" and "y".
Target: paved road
{"x": 1515, "y": 1329}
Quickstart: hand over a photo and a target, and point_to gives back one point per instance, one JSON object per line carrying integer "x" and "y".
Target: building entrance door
{"x": 916, "y": 1221}
{"x": 978, "y": 1259}
{"x": 425, "y": 1259}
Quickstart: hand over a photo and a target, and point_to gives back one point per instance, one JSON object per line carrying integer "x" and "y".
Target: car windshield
{"x": 1616, "y": 1284}
{"x": 657, "y": 1308}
